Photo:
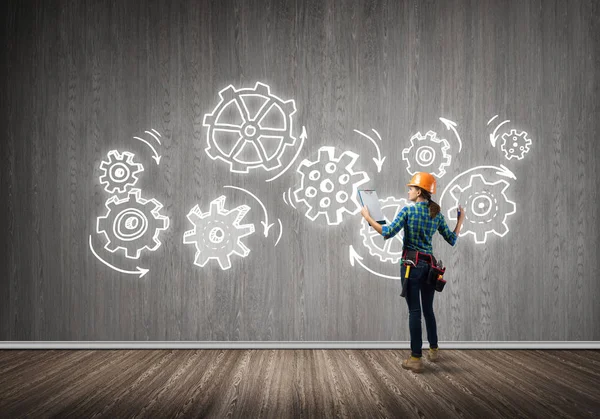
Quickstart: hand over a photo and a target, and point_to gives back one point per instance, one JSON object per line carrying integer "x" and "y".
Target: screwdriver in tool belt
{"x": 407, "y": 268}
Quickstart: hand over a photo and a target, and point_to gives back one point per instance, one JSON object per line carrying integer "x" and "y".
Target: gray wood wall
{"x": 81, "y": 78}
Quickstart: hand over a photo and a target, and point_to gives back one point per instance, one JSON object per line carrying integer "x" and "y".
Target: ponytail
{"x": 434, "y": 208}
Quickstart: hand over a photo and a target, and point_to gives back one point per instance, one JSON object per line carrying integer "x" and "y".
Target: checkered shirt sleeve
{"x": 394, "y": 228}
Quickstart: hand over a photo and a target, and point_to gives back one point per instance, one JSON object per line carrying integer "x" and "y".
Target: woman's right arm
{"x": 459, "y": 219}
{"x": 452, "y": 236}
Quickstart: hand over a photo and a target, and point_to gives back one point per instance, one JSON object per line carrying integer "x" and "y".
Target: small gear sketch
{"x": 515, "y": 144}
{"x": 250, "y": 128}
{"x": 328, "y": 184}
{"x": 487, "y": 207}
{"x": 132, "y": 224}
{"x": 386, "y": 250}
{"x": 119, "y": 172}
{"x": 427, "y": 153}
{"x": 217, "y": 234}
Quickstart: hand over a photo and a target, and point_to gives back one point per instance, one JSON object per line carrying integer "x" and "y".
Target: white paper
{"x": 369, "y": 199}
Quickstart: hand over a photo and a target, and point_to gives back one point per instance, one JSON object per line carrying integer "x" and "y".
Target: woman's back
{"x": 419, "y": 227}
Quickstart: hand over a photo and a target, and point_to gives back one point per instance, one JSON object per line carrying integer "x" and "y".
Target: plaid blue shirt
{"x": 419, "y": 228}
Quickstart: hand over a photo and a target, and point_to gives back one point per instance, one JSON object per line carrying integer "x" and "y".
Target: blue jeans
{"x": 417, "y": 285}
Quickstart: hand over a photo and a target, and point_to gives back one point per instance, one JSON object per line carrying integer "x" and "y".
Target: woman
{"x": 420, "y": 222}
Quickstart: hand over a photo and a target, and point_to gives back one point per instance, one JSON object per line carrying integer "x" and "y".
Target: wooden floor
{"x": 298, "y": 383}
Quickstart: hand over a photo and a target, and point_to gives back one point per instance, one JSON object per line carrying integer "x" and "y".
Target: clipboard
{"x": 368, "y": 198}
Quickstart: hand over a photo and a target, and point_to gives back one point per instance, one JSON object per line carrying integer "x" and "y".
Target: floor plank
{"x": 298, "y": 383}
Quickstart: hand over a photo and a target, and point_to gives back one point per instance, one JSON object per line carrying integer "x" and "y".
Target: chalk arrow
{"x": 451, "y": 125}
{"x": 280, "y": 231}
{"x": 502, "y": 171}
{"x": 266, "y": 225}
{"x": 353, "y": 255}
{"x": 139, "y": 271}
{"x": 155, "y": 137}
{"x": 356, "y": 257}
{"x": 378, "y": 160}
{"x": 156, "y": 157}
{"x": 493, "y": 137}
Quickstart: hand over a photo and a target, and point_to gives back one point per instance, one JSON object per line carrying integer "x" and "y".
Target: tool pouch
{"x": 435, "y": 277}
{"x": 404, "y": 287}
{"x": 405, "y": 278}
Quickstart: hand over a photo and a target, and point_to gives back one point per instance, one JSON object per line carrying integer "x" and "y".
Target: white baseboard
{"x": 291, "y": 345}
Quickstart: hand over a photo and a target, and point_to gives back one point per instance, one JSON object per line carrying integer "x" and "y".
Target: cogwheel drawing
{"x": 386, "y": 250}
{"x": 119, "y": 172}
{"x": 427, "y": 153}
{"x": 329, "y": 184}
{"x": 250, "y": 128}
{"x": 515, "y": 144}
{"x": 132, "y": 224}
{"x": 217, "y": 234}
{"x": 487, "y": 207}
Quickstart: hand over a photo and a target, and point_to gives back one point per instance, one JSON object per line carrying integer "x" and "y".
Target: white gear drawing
{"x": 217, "y": 234}
{"x": 386, "y": 250}
{"x": 120, "y": 172}
{"x": 487, "y": 207}
{"x": 328, "y": 184}
{"x": 427, "y": 153}
{"x": 132, "y": 224}
{"x": 250, "y": 128}
{"x": 515, "y": 144}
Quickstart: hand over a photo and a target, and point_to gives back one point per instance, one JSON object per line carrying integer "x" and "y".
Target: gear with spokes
{"x": 250, "y": 128}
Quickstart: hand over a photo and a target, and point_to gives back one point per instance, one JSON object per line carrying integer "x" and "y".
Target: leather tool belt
{"x": 415, "y": 256}
{"x": 436, "y": 271}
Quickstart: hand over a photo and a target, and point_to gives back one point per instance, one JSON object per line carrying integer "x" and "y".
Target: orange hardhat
{"x": 423, "y": 180}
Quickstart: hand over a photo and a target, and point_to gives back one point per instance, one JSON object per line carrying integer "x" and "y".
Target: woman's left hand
{"x": 365, "y": 212}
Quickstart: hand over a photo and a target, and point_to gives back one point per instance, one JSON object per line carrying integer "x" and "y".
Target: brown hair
{"x": 434, "y": 208}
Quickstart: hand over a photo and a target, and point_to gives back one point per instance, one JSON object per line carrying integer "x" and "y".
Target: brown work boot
{"x": 416, "y": 365}
{"x": 432, "y": 355}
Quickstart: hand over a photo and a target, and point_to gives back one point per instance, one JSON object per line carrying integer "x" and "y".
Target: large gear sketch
{"x": 515, "y": 144}
{"x": 427, "y": 153}
{"x": 132, "y": 224}
{"x": 217, "y": 234}
{"x": 487, "y": 207}
{"x": 250, "y": 128}
{"x": 386, "y": 250}
{"x": 119, "y": 172}
{"x": 328, "y": 184}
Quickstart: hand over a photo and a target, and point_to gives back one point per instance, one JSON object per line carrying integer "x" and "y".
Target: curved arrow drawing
{"x": 155, "y": 137}
{"x": 502, "y": 171}
{"x": 493, "y": 136}
{"x": 491, "y": 119}
{"x": 139, "y": 271}
{"x": 451, "y": 125}
{"x": 265, "y": 223}
{"x": 356, "y": 257}
{"x": 378, "y": 161}
{"x": 302, "y": 138}
{"x": 156, "y": 157}
{"x": 280, "y": 232}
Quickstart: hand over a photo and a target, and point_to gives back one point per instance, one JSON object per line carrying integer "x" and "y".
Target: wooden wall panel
{"x": 83, "y": 78}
